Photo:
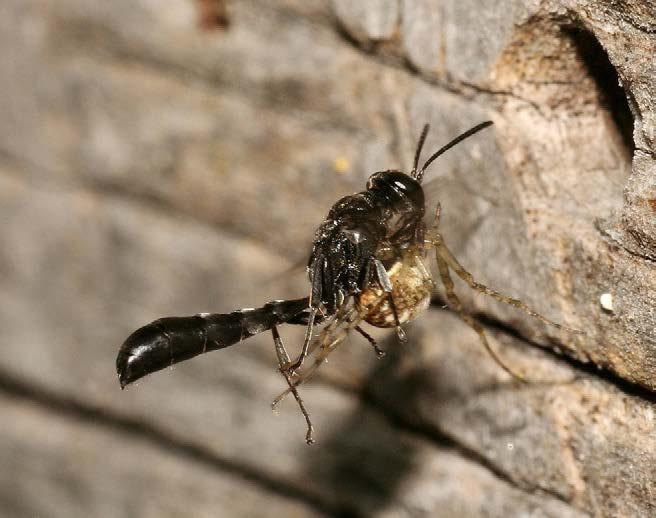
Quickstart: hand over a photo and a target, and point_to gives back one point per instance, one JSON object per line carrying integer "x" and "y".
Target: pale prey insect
{"x": 367, "y": 265}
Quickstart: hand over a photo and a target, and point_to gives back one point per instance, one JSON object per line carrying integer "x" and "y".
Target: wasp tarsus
{"x": 367, "y": 264}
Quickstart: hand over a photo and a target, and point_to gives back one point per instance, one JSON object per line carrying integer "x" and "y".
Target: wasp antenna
{"x": 420, "y": 145}
{"x": 457, "y": 140}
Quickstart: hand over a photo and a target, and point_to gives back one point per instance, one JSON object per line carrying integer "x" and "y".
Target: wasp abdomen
{"x": 174, "y": 339}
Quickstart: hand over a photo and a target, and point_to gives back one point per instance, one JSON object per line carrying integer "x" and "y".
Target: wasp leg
{"x": 331, "y": 337}
{"x": 453, "y": 299}
{"x": 379, "y": 352}
{"x": 293, "y": 385}
{"x": 291, "y": 368}
{"x": 386, "y": 284}
{"x": 283, "y": 360}
{"x": 301, "y": 378}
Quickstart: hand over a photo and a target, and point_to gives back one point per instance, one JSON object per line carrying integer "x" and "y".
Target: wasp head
{"x": 395, "y": 185}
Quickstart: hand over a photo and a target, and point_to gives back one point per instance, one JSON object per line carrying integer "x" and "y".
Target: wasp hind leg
{"x": 331, "y": 337}
{"x": 283, "y": 362}
{"x": 290, "y": 367}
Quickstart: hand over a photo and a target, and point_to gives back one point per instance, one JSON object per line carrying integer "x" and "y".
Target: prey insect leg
{"x": 457, "y": 305}
{"x": 386, "y": 284}
{"x": 453, "y": 263}
{"x": 443, "y": 251}
{"x": 379, "y": 352}
{"x": 283, "y": 360}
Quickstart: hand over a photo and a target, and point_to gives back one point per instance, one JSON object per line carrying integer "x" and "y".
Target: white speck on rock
{"x": 606, "y": 301}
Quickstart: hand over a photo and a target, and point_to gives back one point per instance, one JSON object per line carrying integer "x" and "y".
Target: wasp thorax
{"x": 411, "y": 293}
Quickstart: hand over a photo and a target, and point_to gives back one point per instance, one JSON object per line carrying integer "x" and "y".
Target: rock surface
{"x": 153, "y": 163}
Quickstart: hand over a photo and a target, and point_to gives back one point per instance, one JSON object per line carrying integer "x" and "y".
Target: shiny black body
{"x": 174, "y": 339}
{"x": 371, "y": 224}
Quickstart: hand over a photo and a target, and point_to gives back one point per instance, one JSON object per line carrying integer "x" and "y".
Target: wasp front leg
{"x": 386, "y": 284}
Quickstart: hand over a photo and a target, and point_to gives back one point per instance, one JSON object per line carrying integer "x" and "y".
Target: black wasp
{"x": 367, "y": 265}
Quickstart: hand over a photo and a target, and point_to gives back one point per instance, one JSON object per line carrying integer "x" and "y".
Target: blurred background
{"x": 170, "y": 158}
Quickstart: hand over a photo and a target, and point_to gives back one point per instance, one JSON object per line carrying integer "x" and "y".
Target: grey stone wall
{"x": 168, "y": 158}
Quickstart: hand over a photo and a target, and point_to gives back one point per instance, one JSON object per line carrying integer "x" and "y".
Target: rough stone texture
{"x": 78, "y": 468}
{"x": 151, "y": 165}
{"x": 594, "y": 440}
